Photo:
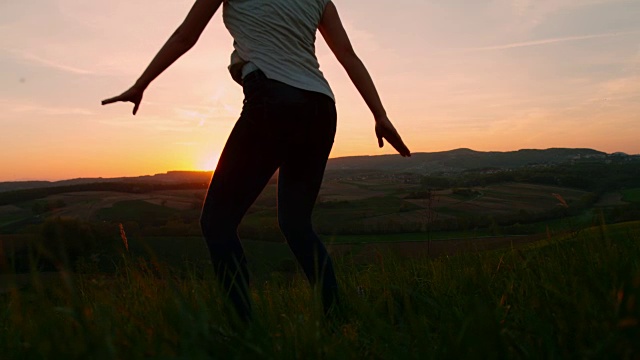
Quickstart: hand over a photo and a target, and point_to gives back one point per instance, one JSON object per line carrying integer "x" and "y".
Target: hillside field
{"x": 562, "y": 297}
{"x": 343, "y": 208}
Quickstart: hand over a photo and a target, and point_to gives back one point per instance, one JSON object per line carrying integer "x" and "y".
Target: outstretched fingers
{"x": 385, "y": 130}
{"x": 133, "y": 95}
{"x": 399, "y": 145}
{"x": 111, "y": 100}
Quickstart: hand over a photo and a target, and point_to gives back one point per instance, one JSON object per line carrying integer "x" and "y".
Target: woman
{"x": 288, "y": 122}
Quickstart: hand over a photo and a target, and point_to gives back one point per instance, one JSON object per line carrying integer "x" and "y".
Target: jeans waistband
{"x": 282, "y": 90}
{"x": 247, "y": 69}
{"x": 256, "y": 74}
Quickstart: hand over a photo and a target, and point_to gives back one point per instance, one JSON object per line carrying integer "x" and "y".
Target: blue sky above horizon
{"x": 487, "y": 75}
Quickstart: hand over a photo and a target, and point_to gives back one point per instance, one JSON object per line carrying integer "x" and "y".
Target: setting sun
{"x": 208, "y": 163}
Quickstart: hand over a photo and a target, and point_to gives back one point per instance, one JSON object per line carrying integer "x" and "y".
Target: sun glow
{"x": 208, "y": 163}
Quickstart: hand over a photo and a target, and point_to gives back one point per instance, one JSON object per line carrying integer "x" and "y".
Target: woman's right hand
{"x": 385, "y": 130}
{"x": 133, "y": 95}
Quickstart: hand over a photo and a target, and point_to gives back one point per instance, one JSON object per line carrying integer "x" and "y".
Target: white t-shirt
{"x": 278, "y": 37}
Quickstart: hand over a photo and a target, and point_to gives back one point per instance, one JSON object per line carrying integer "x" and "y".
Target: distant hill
{"x": 171, "y": 177}
{"x": 444, "y": 162}
{"x": 459, "y": 160}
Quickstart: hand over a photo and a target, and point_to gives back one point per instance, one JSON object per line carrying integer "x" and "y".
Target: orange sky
{"x": 487, "y": 75}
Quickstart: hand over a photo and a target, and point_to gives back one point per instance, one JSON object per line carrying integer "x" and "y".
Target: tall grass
{"x": 572, "y": 297}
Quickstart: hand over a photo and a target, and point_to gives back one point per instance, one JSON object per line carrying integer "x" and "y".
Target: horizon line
{"x": 330, "y": 158}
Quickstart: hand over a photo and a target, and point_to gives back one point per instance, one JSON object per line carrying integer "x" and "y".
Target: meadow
{"x": 570, "y": 296}
{"x": 541, "y": 262}
{"x": 364, "y": 207}
{"x": 631, "y": 195}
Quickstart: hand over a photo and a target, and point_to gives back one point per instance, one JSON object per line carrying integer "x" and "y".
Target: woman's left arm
{"x": 178, "y": 44}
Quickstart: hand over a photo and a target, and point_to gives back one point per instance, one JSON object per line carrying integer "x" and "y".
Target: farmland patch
{"x": 631, "y": 195}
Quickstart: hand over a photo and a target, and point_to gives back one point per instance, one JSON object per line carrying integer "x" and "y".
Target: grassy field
{"x": 136, "y": 210}
{"x": 564, "y": 297}
{"x": 344, "y": 207}
{"x": 631, "y": 195}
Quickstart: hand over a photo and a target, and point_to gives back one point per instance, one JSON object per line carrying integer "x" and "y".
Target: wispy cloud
{"x": 549, "y": 41}
{"x": 28, "y": 108}
{"x": 155, "y": 123}
{"x": 48, "y": 63}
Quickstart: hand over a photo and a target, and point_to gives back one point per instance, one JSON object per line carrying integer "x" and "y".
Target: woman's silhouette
{"x": 288, "y": 122}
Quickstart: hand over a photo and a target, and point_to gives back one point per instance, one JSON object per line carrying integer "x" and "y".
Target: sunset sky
{"x": 486, "y": 75}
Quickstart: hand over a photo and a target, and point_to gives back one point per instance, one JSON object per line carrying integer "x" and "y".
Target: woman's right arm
{"x": 182, "y": 40}
{"x": 336, "y": 37}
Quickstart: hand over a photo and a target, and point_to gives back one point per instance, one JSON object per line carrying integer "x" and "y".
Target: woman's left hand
{"x": 133, "y": 95}
{"x": 385, "y": 130}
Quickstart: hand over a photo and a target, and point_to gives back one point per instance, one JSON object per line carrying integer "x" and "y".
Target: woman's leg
{"x": 249, "y": 159}
{"x": 280, "y": 126}
{"x": 299, "y": 182}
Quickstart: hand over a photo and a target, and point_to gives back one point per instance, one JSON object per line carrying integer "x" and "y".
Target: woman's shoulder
{"x": 320, "y": 2}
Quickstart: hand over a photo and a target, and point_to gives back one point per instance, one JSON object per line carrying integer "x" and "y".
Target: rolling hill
{"x": 444, "y": 162}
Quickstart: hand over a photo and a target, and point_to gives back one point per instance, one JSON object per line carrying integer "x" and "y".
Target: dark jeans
{"x": 280, "y": 127}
